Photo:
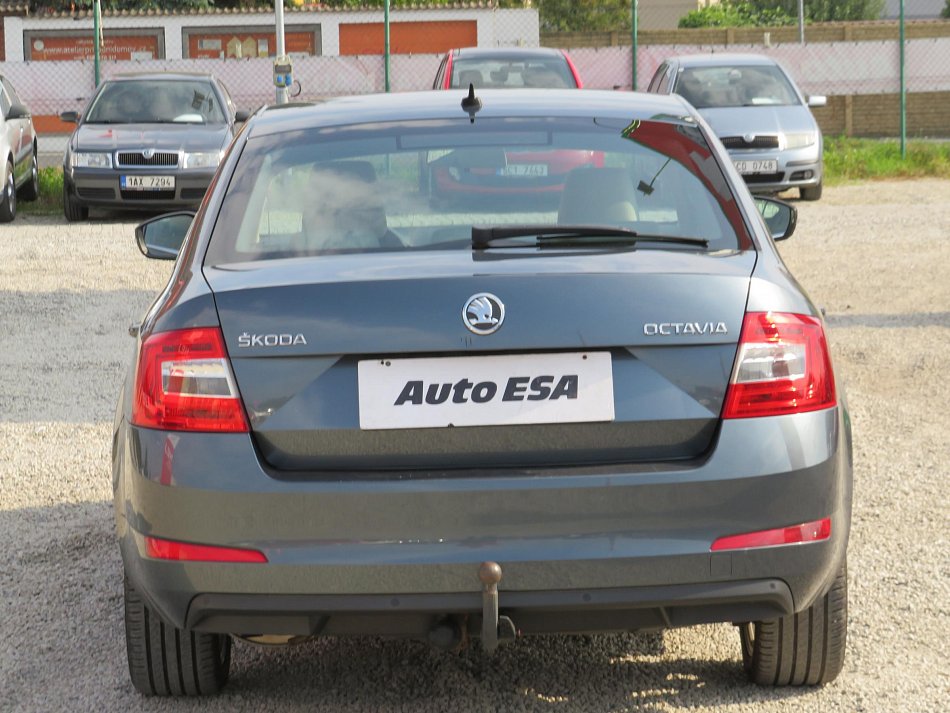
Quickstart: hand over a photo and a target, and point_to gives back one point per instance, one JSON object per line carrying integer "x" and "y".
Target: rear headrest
{"x": 595, "y": 196}
{"x": 354, "y": 170}
{"x": 344, "y": 209}
{"x": 470, "y": 76}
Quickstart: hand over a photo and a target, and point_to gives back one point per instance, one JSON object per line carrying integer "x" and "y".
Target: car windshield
{"x": 507, "y": 73}
{"x": 423, "y": 185}
{"x": 731, "y": 86}
{"x": 158, "y": 101}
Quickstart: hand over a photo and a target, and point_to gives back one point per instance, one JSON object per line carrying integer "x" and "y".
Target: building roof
{"x": 23, "y": 5}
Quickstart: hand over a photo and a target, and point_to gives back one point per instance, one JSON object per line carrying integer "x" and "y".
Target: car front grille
{"x": 138, "y": 159}
{"x": 764, "y": 177}
{"x": 148, "y": 195}
{"x": 192, "y": 194}
{"x": 96, "y": 193}
{"x": 758, "y": 142}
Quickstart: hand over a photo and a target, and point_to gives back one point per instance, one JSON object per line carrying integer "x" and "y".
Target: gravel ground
{"x": 874, "y": 256}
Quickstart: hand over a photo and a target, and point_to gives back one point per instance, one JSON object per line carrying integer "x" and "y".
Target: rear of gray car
{"x": 363, "y": 406}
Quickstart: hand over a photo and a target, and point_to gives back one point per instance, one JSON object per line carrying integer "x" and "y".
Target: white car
{"x": 18, "y": 168}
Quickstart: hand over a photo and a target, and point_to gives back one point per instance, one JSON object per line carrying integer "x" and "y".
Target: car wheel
{"x": 72, "y": 208}
{"x": 804, "y": 649}
{"x": 31, "y": 191}
{"x": 810, "y": 193}
{"x": 167, "y": 661}
{"x": 8, "y": 201}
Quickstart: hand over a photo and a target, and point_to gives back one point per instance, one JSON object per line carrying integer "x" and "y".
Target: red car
{"x": 510, "y": 68}
{"x": 507, "y": 68}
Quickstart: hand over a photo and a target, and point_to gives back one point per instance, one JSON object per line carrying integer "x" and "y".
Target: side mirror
{"x": 70, "y": 117}
{"x": 18, "y": 111}
{"x": 780, "y": 217}
{"x": 817, "y": 100}
{"x": 161, "y": 238}
{"x": 240, "y": 116}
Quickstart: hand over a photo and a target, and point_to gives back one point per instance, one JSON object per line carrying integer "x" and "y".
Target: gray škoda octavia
{"x": 369, "y": 402}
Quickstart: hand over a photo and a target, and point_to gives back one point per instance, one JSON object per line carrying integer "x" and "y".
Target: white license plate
{"x": 486, "y": 390}
{"x": 524, "y": 169}
{"x": 767, "y": 166}
{"x": 147, "y": 183}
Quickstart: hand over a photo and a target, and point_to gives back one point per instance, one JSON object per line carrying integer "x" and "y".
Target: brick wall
{"x": 818, "y": 32}
{"x": 878, "y": 115}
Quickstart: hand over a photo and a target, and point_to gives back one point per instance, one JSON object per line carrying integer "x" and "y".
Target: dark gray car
{"x": 147, "y": 142}
{"x": 369, "y": 403}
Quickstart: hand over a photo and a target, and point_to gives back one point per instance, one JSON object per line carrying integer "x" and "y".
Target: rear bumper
{"x": 554, "y": 611}
{"x": 582, "y": 549}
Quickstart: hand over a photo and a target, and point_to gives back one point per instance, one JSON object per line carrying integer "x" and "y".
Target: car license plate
{"x": 530, "y": 170}
{"x": 767, "y": 166}
{"x": 486, "y": 390}
{"x": 147, "y": 183}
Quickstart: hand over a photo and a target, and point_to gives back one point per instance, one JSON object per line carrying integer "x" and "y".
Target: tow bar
{"x": 495, "y": 628}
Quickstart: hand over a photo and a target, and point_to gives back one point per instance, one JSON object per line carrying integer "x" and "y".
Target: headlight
{"x": 202, "y": 160}
{"x": 85, "y": 159}
{"x": 800, "y": 141}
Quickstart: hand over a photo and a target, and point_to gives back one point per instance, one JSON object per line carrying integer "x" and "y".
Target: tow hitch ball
{"x": 494, "y": 628}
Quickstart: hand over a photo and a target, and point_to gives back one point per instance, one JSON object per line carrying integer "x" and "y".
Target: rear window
{"x": 535, "y": 73}
{"x": 423, "y": 185}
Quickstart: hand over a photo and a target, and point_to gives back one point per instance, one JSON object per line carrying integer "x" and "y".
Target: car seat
{"x": 344, "y": 209}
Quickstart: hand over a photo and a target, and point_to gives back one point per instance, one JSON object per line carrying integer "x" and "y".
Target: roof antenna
{"x": 471, "y": 103}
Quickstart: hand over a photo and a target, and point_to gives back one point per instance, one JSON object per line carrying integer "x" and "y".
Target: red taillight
{"x": 806, "y": 532}
{"x": 183, "y": 382}
{"x": 183, "y": 551}
{"x": 782, "y": 366}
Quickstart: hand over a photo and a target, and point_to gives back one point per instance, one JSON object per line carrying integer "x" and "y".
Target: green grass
{"x": 50, "y": 201}
{"x": 846, "y": 159}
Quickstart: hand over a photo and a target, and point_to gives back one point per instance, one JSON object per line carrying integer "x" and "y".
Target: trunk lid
{"x": 660, "y": 325}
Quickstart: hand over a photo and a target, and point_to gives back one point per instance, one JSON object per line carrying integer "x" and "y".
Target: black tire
{"x": 8, "y": 197}
{"x": 72, "y": 208}
{"x": 810, "y": 193}
{"x": 166, "y": 661}
{"x": 804, "y": 649}
{"x": 30, "y": 191}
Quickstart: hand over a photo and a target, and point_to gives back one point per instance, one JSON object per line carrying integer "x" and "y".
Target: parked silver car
{"x": 148, "y": 142}
{"x": 758, "y": 113}
{"x": 18, "y": 169}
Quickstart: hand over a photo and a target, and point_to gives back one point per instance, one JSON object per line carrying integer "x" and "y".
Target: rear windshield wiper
{"x": 572, "y": 235}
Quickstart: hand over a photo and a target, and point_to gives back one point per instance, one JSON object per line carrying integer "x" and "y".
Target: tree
{"x": 737, "y": 13}
{"x": 946, "y": 11}
{"x": 827, "y": 10}
{"x": 764, "y": 13}
{"x": 583, "y": 15}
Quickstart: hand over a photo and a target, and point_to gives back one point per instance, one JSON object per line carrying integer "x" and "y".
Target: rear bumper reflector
{"x": 795, "y": 534}
{"x": 187, "y": 552}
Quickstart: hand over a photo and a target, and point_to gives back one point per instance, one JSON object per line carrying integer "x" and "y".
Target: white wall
{"x": 834, "y": 68}
{"x": 495, "y": 27}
